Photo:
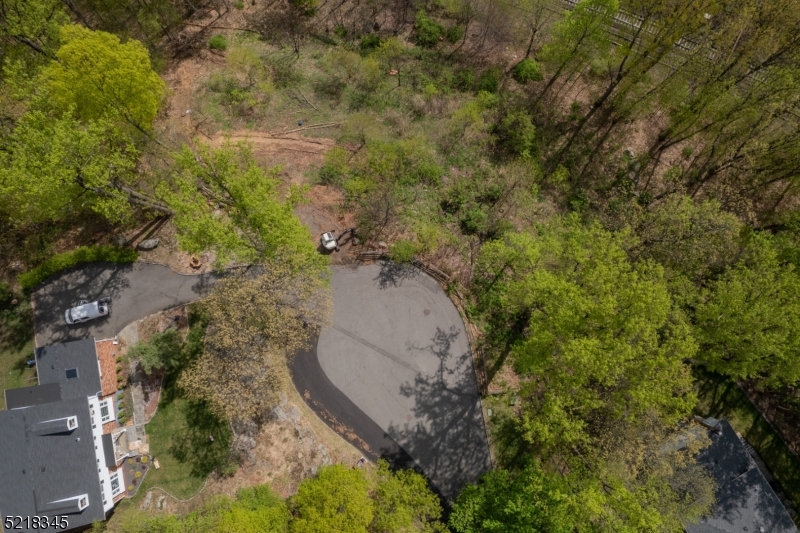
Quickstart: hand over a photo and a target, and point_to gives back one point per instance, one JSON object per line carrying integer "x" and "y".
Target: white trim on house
{"x": 83, "y": 501}
{"x": 103, "y": 473}
{"x": 109, "y": 407}
{"x": 115, "y": 478}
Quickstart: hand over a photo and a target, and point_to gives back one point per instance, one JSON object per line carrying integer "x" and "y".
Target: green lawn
{"x": 16, "y": 347}
{"x": 721, "y": 397}
{"x": 179, "y": 440}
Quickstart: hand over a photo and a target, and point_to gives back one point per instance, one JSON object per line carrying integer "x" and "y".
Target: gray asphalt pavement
{"x": 136, "y": 290}
{"x": 399, "y": 352}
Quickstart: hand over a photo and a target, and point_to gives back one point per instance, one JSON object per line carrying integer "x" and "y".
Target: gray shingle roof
{"x": 36, "y": 395}
{"x": 52, "y": 363}
{"x": 745, "y": 501}
{"x": 39, "y": 469}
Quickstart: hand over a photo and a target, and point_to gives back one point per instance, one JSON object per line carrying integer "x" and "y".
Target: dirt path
{"x": 276, "y": 144}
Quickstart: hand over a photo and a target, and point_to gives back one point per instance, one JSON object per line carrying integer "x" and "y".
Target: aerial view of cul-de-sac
{"x": 400, "y": 266}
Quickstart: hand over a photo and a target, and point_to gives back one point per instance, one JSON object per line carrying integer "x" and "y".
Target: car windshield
{"x": 69, "y": 313}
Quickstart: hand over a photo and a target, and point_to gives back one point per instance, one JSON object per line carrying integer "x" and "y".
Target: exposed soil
{"x": 293, "y": 152}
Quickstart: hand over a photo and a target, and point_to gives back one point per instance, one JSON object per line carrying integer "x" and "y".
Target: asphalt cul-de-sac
{"x": 394, "y": 374}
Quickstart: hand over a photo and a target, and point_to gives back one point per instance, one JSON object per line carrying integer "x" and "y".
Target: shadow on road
{"x": 136, "y": 291}
{"x": 393, "y": 274}
{"x": 84, "y": 282}
{"x": 448, "y": 437}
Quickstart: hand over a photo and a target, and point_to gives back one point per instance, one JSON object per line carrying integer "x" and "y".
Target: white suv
{"x": 85, "y": 311}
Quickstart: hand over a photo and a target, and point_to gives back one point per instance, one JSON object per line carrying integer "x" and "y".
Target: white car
{"x": 86, "y": 311}
{"x": 329, "y": 241}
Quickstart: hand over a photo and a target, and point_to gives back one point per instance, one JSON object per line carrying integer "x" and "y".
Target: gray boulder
{"x": 148, "y": 244}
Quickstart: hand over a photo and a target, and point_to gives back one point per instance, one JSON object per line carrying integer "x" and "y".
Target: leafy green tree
{"x": 53, "y": 167}
{"x": 528, "y": 501}
{"x": 427, "y": 31}
{"x": 161, "y": 351}
{"x": 225, "y": 202}
{"x": 256, "y": 510}
{"x": 695, "y": 239}
{"x": 336, "y": 501}
{"x": 527, "y": 70}
{"x": 30, "y": 28}
{"x": 748, "y": 324}
{"x": 95, "y": 75}
{"x": 602, "y": 349}
{"x": 517, "y": 134}
{"x": 403, "y": 503}
{"x": 601, "y": 337}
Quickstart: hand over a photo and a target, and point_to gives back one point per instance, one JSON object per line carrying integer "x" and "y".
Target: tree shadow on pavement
{"x": 393, "y": 274}
{"x": 83, "y": 282}
{"x": 448, "y": 436}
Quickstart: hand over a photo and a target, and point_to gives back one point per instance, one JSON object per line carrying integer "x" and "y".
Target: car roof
{"x": 89, "y": 310}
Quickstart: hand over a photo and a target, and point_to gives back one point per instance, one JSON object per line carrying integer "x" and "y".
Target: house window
{"x": 105, "y": 411}
{"x": 115, "y": 488}
{"x": 72, "y": 373}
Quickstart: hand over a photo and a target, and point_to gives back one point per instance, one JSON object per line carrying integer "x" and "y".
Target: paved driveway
{"x": 398, "y": 374}
{"x": 136, "y": 290}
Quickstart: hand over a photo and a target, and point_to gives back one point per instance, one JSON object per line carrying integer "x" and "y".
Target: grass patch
{"x": 179, "y": 439}
{"x": 16, "y": 347}
{"x": 84, "y": 254}
{"x": 720, "y": 397}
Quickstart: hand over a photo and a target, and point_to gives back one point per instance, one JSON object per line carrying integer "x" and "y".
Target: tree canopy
{"x": 224, "y": 201}
{"x": 257, "y": 319}
{"x": 748, "y": 321}
{"x": 527, "y": 501}
{"x": 54, "y": 167}
{"x": 96, "y": 76}
{"x": 159, "y": 352}
{"x": 602, "y": 348}
{"x": 601, "y": 335}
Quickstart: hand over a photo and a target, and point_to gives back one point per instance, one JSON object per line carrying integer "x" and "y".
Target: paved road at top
{"x": 395, "y": 376}
{"x": 136, "y": 290}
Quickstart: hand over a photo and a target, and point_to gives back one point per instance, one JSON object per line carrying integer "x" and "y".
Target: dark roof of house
{"x": 36, "y": 395}
{"x": 41, "y": 467}
{"x": 53, "y": 362}
{"x": 746, "y": 502}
